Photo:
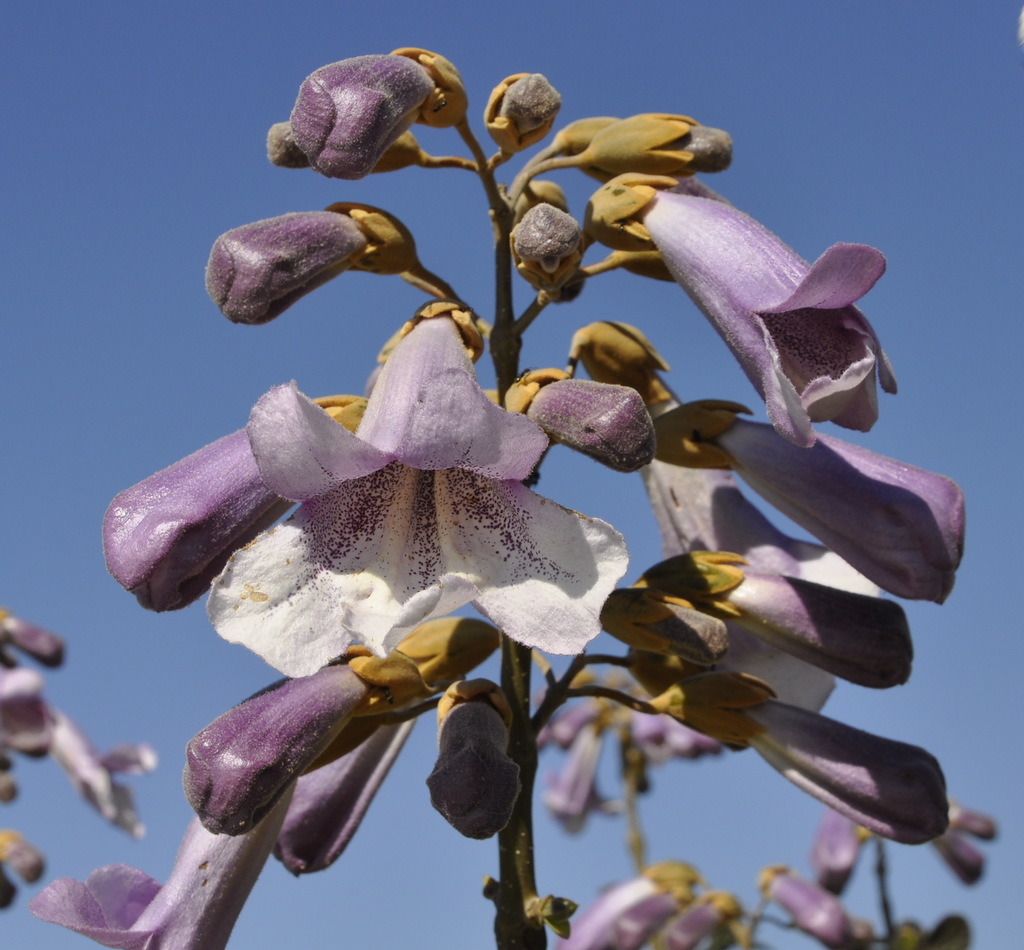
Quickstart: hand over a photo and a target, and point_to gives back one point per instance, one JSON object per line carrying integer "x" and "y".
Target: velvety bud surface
{"x": 530, "y": 102}
{"x": 606, "y": 422}
{"x": 241, "y": 764}
{"x": 259, "y": 270}
{"x": 167, "y": 537}
{"x": 474, "y": 784}
{"x": 348, "y": 113}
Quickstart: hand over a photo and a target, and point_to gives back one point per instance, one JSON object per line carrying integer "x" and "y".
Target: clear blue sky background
{"x": 134, "y": 136}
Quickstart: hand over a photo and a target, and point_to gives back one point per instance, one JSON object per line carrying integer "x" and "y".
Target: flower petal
{"x": 428, "y": 411}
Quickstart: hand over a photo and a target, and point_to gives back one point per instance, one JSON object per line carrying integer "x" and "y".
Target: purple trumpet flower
{"x": 329, "y": 803}
{"x": 835, "y": 851}
{"x": 955, "y": 847}
{"x": 240, "y": 765}
{"x": 348, "y": 113}
{"x": 700, "y": 919}
{"x": 121, "y": 907}
{"x": 891, "y": 788}
{"x": 259, "y": 270}
{"x": 44, "y": 647}
{"x": 92, "y": 774}
{"x": 814, "y": 910}
{"x": 900, "y": 526}
{"x": 594, "y": 927}
{"x": 808, "y": 351}
{"x": 572, "y": 795}
{"x": 167, "y": 537}
{"x": 25, "y": 723}
{"x": 418, "y": 513}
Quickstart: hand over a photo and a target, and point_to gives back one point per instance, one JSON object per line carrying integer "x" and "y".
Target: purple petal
{"x": 43, "y": 646}
{"x": 329, "y": 803}
{"x": 835, "y": 851}
{"x": 900, "y": 526}
{"x": 572, "y": 795}
{"x": 24, "y": 715}
{"x": 815, "y": 911}
{"x": 894, "y": 789}
{"x": 793, "y": 329}
{"x": 349, "y": 112}
{"x": 592, "y": 927}
{"x": 168, "y": 536}
{"x": 961, "y": 857}
{"x": 428, "y": 411}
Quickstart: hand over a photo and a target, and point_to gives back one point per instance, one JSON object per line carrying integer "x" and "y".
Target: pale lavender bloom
{"x": 240, "y": 765}
{"x": 701, "y": 919}
{"x": 960, "y": 856}
{"x": 565, "y": 725}
{"x": 121, "y": 907}
{"x": 329, "y": 803}
{"x": 92, "y": 774}
{"x": 975, "y": 823}
{"x": 637, "y": 924}
{"x": 835, "y": 851}
{"x": 419, "y": 513}
{"x": 474, "y": 783}
{"x": 900, "y": 526}
{"x": 808, "y": 351}
{"x": 891, "y": 788}
{"x": 661, "y": 738}
{"x": 25, "y": 723}
{"x": 860, "y": 638}
{"x": 167, "y": 537}
{"x": 592, "y": 928}
{"x": 606, "y": 422}
{"x": 572, "y": 794}
{"x": 814, "y": 910}
{"x": 257, "y": 271}
{"x": 21, "y": 855}
{"x": 43, "y": 646}
{"x": 348, "y": 113}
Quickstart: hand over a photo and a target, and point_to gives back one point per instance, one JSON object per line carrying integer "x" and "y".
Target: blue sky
{"x": 135, "y": 136}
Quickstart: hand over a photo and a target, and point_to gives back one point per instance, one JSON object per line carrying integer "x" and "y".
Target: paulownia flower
{"x": 419, "y": 512}
{"x": 793, "y": 327}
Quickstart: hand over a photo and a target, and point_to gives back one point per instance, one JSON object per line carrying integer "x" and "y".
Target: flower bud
{"x": 613, "y": 215}
{"x": 348, "y": 113}
{"x": 960, "y": 856}
{"x": 24, "y": 717}
{"x": 546, "y": 247}
{"x": 166, "y": 538}
{"x": 240, "y": 765}
{"x": 19, "y": 854}
{"x": 835, "y": 851}
{"x": 521, "y": 111}
{"x": 259, "y": 270}
{"x": 649, "y": 619}
{"x": 282, "y": 149}
{"x": 701, "y": 919}
{"x": 814, "y": 911}
{"x": 608, "y": 423}
{"x": 45, "y": 647}
{"x": 474, "y": 784}
{"x": 445, "y": 106}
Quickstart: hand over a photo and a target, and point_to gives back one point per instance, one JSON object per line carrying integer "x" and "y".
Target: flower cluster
{"x": 417, "y": 501}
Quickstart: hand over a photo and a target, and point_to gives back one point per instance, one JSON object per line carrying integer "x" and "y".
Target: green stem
{"x": 514, "y": 928}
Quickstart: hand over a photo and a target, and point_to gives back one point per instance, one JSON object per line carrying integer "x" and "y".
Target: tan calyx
{"x": 620, "y": 353}
{"x": 390, "y": 247}
{"x": 613, "y": 211}
{"x": 476, "y": 690}
{"x": 447, "y": 649}
{"x": 502, "y": 129}
{"x": 684, "y": 434}
{"x": 404, "y": 152}
{"x": 701, "y": 578}
{"x": 446, "y": 105}
{"x": 397, "y": 677}
{"x": 726, "y": 906}
{"x": 466, "y": 321}
{"x": 713, "y": 703}
{"x": 648, "y": 143}
{"x": 345, "y": 410}
{"x": 648, "y": 264}
{"x": 539, "y": 191}
{"x": 675, "y": 878}
{"x": 656, "y": 672}
{"x": 768, "y": 874}
{"x": 574, "y": 138}
{"x": 8, "y": 839}
{"x": 521, "y": 393}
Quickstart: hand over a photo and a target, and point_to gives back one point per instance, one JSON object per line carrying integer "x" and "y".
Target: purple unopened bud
{"x": 546, "y": 235}
{"x": 814, "y": 910}
{"x": 349, "y": 112}
{"x": 19, "y": 854}
{"x": 24, "y": 717}
{"x": 329, "y": 803}
{"x": 241, "y": 764}
{"x": 960, "y": 856}
{"x": 166, "y": 538}
{"x": 474, "y": 784}
{"x": 701, "y": 919}
{"x": 607, "y": 422}
{"x": 891, "y": 788}
{"x": 835, "y": 851}
{"x": 259, "y": 270}
{"x": 637, "y": 924}
{"x": 530, "y": 102}
{"x": 38, "y": 643}
{"x": 592, "y": 927}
